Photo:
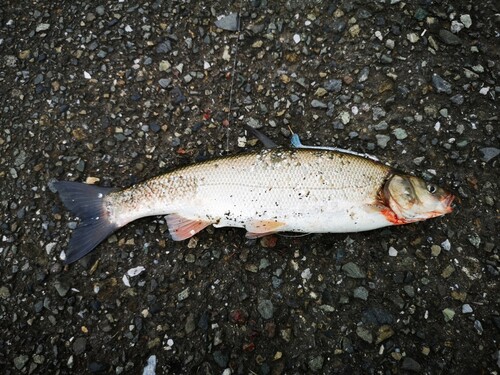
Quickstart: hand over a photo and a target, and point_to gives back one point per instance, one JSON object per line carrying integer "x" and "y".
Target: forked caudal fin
{"x": 87, "y": 202}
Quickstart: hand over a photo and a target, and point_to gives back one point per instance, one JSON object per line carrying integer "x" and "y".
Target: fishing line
{"x": 233, "y": 74}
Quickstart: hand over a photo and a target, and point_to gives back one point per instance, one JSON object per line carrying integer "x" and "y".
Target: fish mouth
{"x": 446, "y": 201}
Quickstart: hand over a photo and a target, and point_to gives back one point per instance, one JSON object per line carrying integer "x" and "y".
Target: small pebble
{"x": 265, "y": 308}
{"x": 412, "y": 38}
{"x": 306, "y": 274}
{"x": 364, "y": 334}
{"x": 220, "y": 358}
{"x": 164, "y": 66}
{"x": 360, "y": 293}
{"x": 333, "y": 85}
{"x": 478, "y": 326}
{"x": 448, "y": 271}
{"x": 352, "y": 270}
{"x": 183, "y": 295}
{"x": 457, "y": 99}
{"x": 435, "y": 250}
{"x": 409, "y": 364}
{"x": 20, "y": 361}
{"x": 42, "y": 27}
{"x": 4, "y": 292}
{"x": 448, "y": 314}
{"x": 345, "y": 117}
{"x": 400, "y": 133}
{"x": 100, "y": 10}
{"x": 318, "y": 104}
{"x": 164, "y": 82}
{"x": 230, "y": 22}
{"x": 61, "y": 287}
{"x": 466, "y": 20}
{"x": 456, "y": 26}
{"x": 446, "y": 245}
{"x": 382, "y": 140}
{"x": 466, "y": 309}
{"x": 150, "y": 368}
{"x": 316, "y": 363}
{"x": 79, "y": 345}
{"x": 449, "y": 38}
{"x": 440, "y": 84}
{"x": 363, "y": 74}
{"x": 383, "y": 333}
{"x": 489, "y": 153}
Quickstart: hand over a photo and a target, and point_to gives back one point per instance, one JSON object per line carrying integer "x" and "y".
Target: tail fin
{"x": 86, "y": 202}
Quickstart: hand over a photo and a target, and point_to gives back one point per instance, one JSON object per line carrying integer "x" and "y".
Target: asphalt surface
{"x": 116, "y": 92}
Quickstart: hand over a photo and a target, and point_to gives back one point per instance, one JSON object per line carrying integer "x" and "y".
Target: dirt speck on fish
{"x": 274, "y": 190}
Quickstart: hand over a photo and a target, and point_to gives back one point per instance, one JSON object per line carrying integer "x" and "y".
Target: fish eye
{"x": 431, "y": 188}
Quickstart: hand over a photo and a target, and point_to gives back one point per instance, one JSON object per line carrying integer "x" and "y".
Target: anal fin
{"x": 181, "y": 228}
{"x": 261, "y": 228}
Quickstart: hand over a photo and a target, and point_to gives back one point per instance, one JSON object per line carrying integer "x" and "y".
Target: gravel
{"x": 440, "y": 84}
{"x": 117, "y": 92}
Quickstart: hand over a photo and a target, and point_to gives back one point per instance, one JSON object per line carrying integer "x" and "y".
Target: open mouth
{"x": 447, "y": 201}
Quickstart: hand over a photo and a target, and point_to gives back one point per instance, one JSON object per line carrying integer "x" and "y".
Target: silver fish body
{"x": 306, "y": 191}
{"x": 275, "y": 190}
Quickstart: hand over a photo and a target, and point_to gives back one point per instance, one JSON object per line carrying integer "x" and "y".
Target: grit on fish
{"x": 274, "y": 190}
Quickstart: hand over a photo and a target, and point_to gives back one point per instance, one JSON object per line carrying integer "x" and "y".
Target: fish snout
{"x": 447, "y": 201}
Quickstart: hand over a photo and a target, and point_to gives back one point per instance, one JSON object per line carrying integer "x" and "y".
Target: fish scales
{"x": 272, "y": 185}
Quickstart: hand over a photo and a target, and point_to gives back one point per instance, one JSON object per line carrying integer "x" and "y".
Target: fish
{"x": 301, "y": 190}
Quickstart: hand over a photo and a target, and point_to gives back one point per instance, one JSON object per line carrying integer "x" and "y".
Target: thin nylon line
{"x": 233, "y": 73}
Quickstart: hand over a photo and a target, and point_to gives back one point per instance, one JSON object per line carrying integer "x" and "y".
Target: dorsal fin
{"x": 266, "y": 141}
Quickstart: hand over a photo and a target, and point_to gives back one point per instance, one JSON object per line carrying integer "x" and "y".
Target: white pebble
{"x": 456, "y": 26}
{"x": 466, "y": 309}
{"x": 345, "y": 117}
{"x": 484, "y": 90}
{"x": 446, "y": 245}
{"x": 393, "y": 252}
{"x": 128, "y": 29}
{"x": 242, "y": 141}
{"x": 49, "y": 247}
{"x": 125, "y": 280}
{"x": 225, "y": 54}
{"x": 412, "y": 38}
{"x": 150, "y": 368}
{"x": 296, "y": 38}
{"x": 466, "y": 20}
{"x": 306, "y": 274}
{"x": 206, "y": 65}
{"x": 389, "y": 43}
{"x": 87, "y": 75}
{"x": 135, "y": 271}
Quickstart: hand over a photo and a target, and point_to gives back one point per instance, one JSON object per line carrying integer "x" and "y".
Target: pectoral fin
{"x": 181, "y": 228}
{"x": 261, "y": 228}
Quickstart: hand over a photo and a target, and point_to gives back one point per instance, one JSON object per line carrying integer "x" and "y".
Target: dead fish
{"x": 274, "y": 190}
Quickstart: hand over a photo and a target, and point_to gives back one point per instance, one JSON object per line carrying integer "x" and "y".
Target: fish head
{"x": 412, "y": 199}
